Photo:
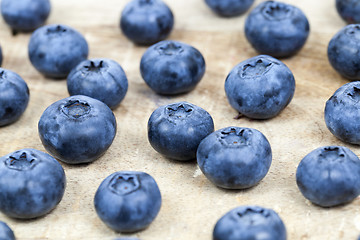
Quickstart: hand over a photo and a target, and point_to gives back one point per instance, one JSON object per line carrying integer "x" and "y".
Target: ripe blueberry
{"x": 277, "y": 29}
{"x": 25, "y": 15}
{"x": 171, "y": 67}
{"x": 250, "y": 223}
{"x": 234, "y": 157}
{"x": 342, "y": 52}
{"x": 349, "y": 10}
{"x": 176, "y": 130}
{"x": 77, "y": 129}
{"x": 32, "y": 183}
{"x": 54, "y": 50}
{"x": 329, "y": 176}
{"x": 128, "y": 201}
{"x": 5, "y": 232}
{"x": 260, "y": 87}
{"x": 229, "y": 8}
{"x": 146, "y": 22}
{"x": 342, "y": 113}
{"x": 102, "y": 79}
{"x": 14, "y": 96}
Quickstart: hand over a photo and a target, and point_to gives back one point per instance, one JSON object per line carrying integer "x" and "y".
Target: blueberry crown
{"x": 76, "y": 108}
{"x": 146, "y": 2}
{"x": 179, "y": 111}
{"x": 335, "y": 154}
{"x": 235, "y": 137}
{"x": 122, "y": 184}
{"x": 256, "y": 68}
{"x": 253, "y": 211}
{"x": 56, "y": 29}
{"x": 2, "y": 75}
{"x": 353, "y": 31}
{"x": 277, "y": 10}
{"x": 170, "y": 48}
{"x": 92, "y": 67}
{"x": 354, "y": 93}
{"x": 21, "y": 161}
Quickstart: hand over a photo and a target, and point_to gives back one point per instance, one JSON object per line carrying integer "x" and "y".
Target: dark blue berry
{"x": 32, "y": 183}
{"x": 128, "y": 201}
{"x": 329, "y": 176}
{"x": 234, "y": 157}
{"x": 349, "y": 10}
{"x": 176, "y": 130}
{"x": 277, "y": 29}
{"x": 5, "y": 232}
{"x": 229, "y": 8}
{"x": 14, "y": 96}
{"x": 260, "y": 87}
{"x": 54, "y": 50}
{"x": 102, "y": 79}
{"x": 77, "y": 129}
{"x": 146, "y": 22}
{"x": 171, "y": 67}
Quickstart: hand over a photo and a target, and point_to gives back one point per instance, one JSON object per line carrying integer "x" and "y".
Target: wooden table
{"x": 191, "y": 204}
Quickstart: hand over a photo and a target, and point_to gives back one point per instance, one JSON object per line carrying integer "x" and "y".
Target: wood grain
{"x": 191, "y": 204}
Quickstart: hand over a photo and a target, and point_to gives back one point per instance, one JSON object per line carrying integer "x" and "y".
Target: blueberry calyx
{"x": 179, "y": 112}
{"x": 235, "y": 137}
{"x": 94, "y": 68}
{"x": 2, "y": 76}
{"x": 249, "y": 212}
{"x": 277, "y": 11}
{"x": 146, "y": 2}
{"x": 353, "y": 30}
{"x": 123, "y": 184}
{"x": 332, "y": 154}
{"x": 170, "y": 48}
{"x": 76, "y": 109}
{"x": 56, "y": 29}
{"x": 20, "y": 163}
{"x": 354, "y": 94}
{"x": 256, "y": 68}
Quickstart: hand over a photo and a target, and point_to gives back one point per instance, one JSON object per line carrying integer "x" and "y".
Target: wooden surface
{"x": 191, "y": 204}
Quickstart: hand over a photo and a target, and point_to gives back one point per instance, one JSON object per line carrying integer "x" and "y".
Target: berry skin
{"x": 102, "y": 79}
{"x": 250, "y": 223}
{"x": 260, "y": 87}
{"x": 146, "y": 22}
{"x": 229, "y": 8}
{"x": 32, "y": 183}
{"x": 14, "y": 96}
{"x": 77, "y": 129}
{"x": 342, "y": 113}
{"x": 25, "y": 15}
{"x": 234, "y": 157}
{"x": 176, "y": 130}
{"x": 329, "y": 176}
{"x": 54, "y": 50}
{"x": 277, "y": 29}
{"x": 349, "y": 10}
{"x": 343, "y": 52}
{"x": 128, "y": 201}
{"x": 5, "y": 232}
{"x": 171, "y": 67}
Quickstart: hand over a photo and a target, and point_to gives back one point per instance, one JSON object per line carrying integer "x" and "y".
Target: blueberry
{"x": 176, "y": 130}
{"x": 342, "y": 113}
{"x": 260, "y": 87}
{"x": 171, "y": 67}
{"x": 234, "y": 157}
{"x": 55, "y": 50}
{"x": 250, "y": 223}
{"x": 329, "y": 176}
{"x": 146, "y": 22}
{"x": 128, "y": 201}
{"x": 14, "y": 96}
{"x": 229, "y": 8}
{"x": 77, "y": 129}
{"x": 32, "y": 183}
{"x": 342, "y": 52}
{"x": 277, "y": 29}
{"x": 102, "y": 79}
{"x": 349, "y": 10}
{"x": 25, "y": 15}
{"x": 5, "y": 232}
